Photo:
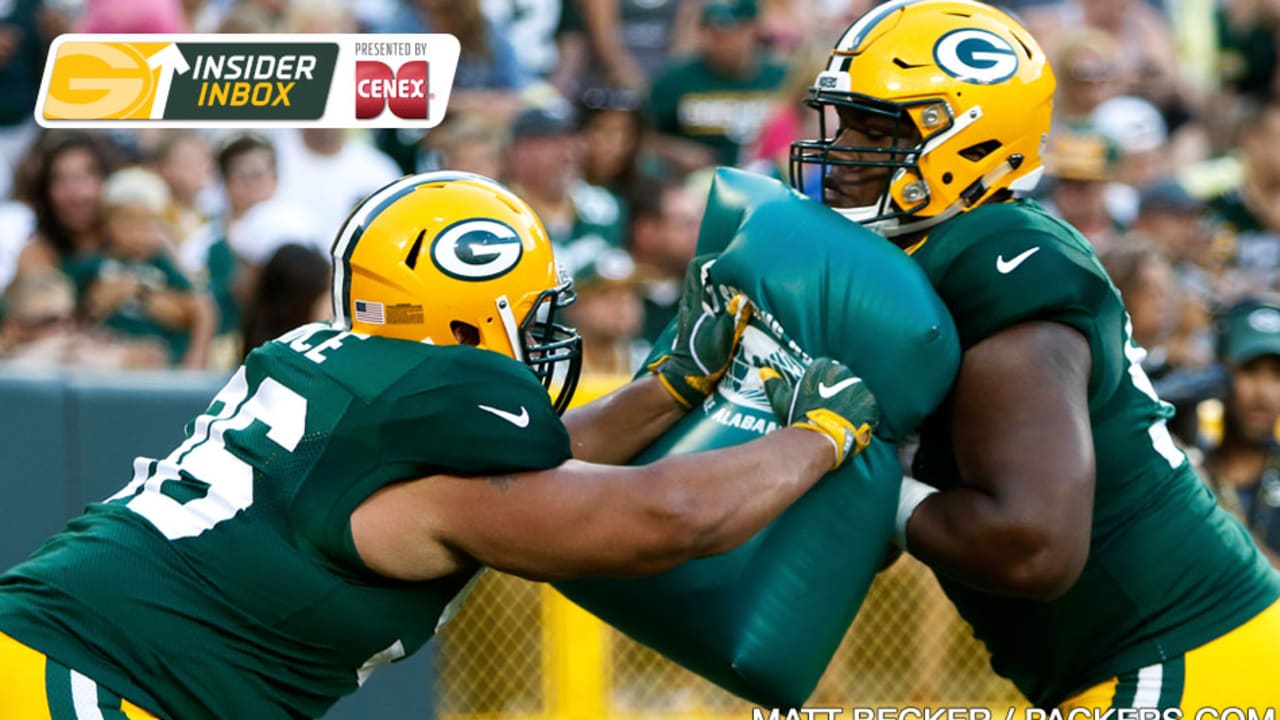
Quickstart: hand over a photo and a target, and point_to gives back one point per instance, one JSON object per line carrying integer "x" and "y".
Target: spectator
{"x": 22, "y": 49}
{"x": 39, "y": 330}
{"x": 608, "y": 314}
{"x": 1174, "y": 221}
{"x": 163, "y": 17}
{"x": 247, "y": 18}
{"x": 193, "y": 14}
{"x": 291, "y": 290}
{"x": 247, "y": 166}
{"x": 490, "y": 82}
{"x": 1147, "y": 59}
{"x": 1080, "y": 162}
{"x": 1139, "y": 133}
{"x": 708, "y": 108}
{"x": 488, "y": 78}
{"x": 613, "y": 127}
{"x": 1251, "y": 211}
{"x": 185, "y": 161}
{"x": 631, "y": 40}
{"x": 320, "y": 16}
{"x": 1247, "y": 50}
{"x": 17, "y": 223}
{"x": 1242, "y": 459}
{"x": 133, "y": 287}
{"x": 1088, "y": 73}
{"x": 536, "y": 24}
{"x": 243, "y": 16}
{"x": 69, "y": 167}
{"x": 1145, "y": 281}
{"x": 250, "y": 176}
{"x": 39, "y": 315}
{"x": 543, "y": 168}
{"x": 350, "y": 168}
{"x": 664, "y": 238}
{"x": 464, "y": 141}
{"x": 788, "y": 25}
{"x": 17, "y": 219}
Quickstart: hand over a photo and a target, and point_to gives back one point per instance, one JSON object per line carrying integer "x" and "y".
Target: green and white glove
{"x": 829, "y": 399}
{"x": 706, "y": 338}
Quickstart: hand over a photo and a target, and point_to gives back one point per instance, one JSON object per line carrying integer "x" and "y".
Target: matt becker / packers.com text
{"x": 979, "y": 713}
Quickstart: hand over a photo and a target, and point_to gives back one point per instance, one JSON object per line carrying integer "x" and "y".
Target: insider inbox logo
{"x": 211, "y": 80}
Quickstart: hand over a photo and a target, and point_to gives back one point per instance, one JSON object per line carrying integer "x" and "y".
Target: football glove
{"x": 705, "y": 338}
{"x": 829, "y": 399}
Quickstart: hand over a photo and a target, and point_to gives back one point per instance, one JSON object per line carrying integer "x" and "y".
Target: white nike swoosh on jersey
{"x": 826, "y": 392}
{"x": 520, "y": 421}
{"x": 1004, "y": 267}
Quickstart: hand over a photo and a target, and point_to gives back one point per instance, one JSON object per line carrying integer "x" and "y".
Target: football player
{"x": 328, "y": 510}
{"x": 1051, "y": 502}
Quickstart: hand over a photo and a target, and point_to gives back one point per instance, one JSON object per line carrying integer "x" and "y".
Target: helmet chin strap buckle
{"x": 978, "y": 189}
{"x": 509, "y": 325}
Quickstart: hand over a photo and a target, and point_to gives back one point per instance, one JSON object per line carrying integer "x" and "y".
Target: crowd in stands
{"x": 178, "y": 248}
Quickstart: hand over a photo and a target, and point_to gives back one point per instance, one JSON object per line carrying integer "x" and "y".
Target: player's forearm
{"x": 965, "y": 534}
{"x": 614, "y": 428}
{"x": 729, "y": 495}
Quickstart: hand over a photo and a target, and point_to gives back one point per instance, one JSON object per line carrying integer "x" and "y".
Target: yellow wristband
{"x": 842, "y": 433}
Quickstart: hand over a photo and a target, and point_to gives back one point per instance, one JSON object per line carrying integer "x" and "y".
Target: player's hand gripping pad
{"x": 763, "y": 620}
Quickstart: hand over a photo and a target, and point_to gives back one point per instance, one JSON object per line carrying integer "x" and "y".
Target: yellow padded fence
{"x": 519, "y": 650}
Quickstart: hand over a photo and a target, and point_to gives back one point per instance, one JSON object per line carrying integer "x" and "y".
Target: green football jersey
{"x": 223, "y": 581}
{"x": 1133, "y": 605}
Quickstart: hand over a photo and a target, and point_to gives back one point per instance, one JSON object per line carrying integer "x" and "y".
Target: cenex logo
{"x": 404, "y": 89}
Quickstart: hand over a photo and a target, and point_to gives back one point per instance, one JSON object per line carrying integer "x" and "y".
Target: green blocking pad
{"x": 838, "y": 290}
{"x": 763, "y": 620}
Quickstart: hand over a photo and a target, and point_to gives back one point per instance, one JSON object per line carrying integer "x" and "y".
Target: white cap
{"x": 136, "y": 186}
{"x": 1132, "y": 123}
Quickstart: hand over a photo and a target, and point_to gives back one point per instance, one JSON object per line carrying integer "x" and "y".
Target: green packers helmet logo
{"x": 477, "y": 249}
{"x": 976, "y": 56}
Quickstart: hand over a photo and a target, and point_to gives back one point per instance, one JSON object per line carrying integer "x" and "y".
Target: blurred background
{"x": 171, "y": 251}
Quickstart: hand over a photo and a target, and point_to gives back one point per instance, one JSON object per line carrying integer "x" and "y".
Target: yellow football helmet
{"x": 454, "y": 258}
{"x": 964, "y": 81}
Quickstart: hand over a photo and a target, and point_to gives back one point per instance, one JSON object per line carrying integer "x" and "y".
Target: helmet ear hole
{"x": 974, "y": 153}
{"x": 465, "y": 333}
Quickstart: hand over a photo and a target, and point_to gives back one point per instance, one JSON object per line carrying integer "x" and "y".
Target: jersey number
{"x": 163, "y": 493}
{"x": 1161, "y": 440}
